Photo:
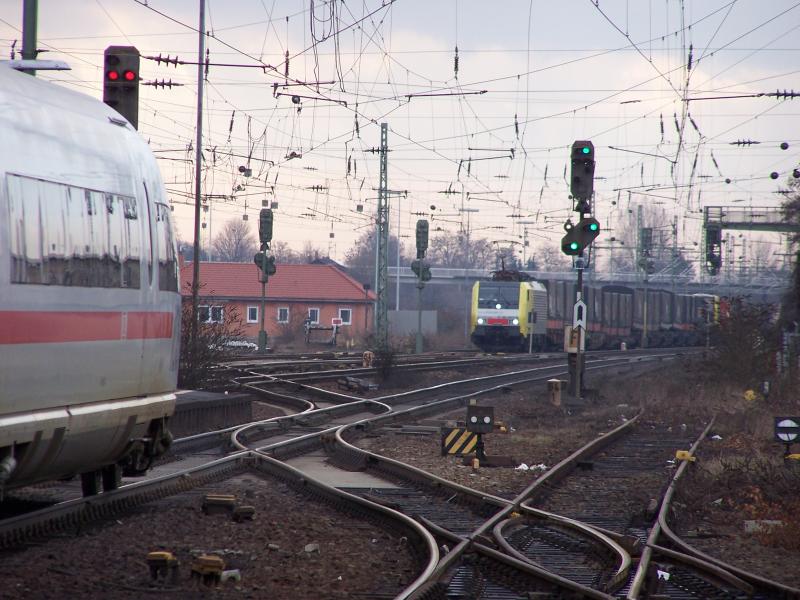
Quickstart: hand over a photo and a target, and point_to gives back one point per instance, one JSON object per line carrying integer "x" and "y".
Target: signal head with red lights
{"x": 121, "y": 81}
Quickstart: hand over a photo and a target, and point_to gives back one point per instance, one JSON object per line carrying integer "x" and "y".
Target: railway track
{"x": 482, "y": 546}
{"x": 639, "y": 457}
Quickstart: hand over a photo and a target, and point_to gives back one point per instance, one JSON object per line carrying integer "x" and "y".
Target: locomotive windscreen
{"x": 492, "y": 294}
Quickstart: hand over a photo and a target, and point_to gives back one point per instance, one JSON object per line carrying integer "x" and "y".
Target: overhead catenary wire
{"x": 373, "y": 99}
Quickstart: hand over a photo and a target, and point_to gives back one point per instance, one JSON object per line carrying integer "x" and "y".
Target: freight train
{"x": 89, "y": 302}
{"x": 502, "y": 311}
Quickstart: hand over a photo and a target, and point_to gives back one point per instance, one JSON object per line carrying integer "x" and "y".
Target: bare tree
{"x": 235, "y": 243}
{"x": 186, "y": 250}
{"x": 284, "y": 254}
{"x": 664, "y": 255}
{"x": 458, "y": 251}
{"x": 221, "y": 324}
{"x": 311, "y": 253}
{"x": 551, "y": 259}
{"x": 790, "y": 313}
{"x": 763, "y": 256}
{"x": 506, "y": 257}
{"x": 360, "y": 258}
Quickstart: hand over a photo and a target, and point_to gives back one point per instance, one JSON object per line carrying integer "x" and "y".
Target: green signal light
{"x": 586, "y": 150}
{"x": 594, "y": 227}
{"x": 573, "y": 245}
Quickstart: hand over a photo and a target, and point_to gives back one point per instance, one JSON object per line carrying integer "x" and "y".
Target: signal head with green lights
{"x": 570, "y": 243}
{"x": 579, "y": 236}
{"x": 589, "y": 228}
{"x": 582, "y": 174}
{"x": 583, "y": 149}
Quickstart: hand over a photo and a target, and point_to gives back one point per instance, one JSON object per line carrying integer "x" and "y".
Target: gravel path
{"x": 293, "y": 549}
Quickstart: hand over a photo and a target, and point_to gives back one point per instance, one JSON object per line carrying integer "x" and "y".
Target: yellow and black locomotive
{"x": 508, "y": 315}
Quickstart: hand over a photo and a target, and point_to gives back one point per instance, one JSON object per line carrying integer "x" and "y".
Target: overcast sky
{"x": 494, "y": 137}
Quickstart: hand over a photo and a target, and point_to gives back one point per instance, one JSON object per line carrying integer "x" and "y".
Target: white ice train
{"x": 89, "y": 302}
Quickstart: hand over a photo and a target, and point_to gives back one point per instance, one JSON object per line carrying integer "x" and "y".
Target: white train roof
{"x": 55, "y": 133}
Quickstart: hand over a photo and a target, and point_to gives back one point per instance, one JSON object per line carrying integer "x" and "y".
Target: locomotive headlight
{"x": 480, "y": 320}
{"x": 515, "y": 321}
{"x": 498, "y": 306}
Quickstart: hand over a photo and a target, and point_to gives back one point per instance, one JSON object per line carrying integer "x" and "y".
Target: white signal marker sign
{"x": 579, "y": 315}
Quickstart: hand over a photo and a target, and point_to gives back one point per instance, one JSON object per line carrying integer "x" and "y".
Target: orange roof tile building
{"x": 321, "y": 293}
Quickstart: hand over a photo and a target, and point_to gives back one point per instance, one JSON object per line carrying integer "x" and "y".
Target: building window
{"x": 211, "y": 314}
{"x": 283, "y": 314}
{"x": 252, "y": 314}
{"x": 346, "y": 315}
{"x": 313, "y": 316}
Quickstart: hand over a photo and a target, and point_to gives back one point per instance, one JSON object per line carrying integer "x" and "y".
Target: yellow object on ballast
{"x": 685, "y": 455}
{"x": 159, "y": 555}
{"x": 163, "y": 564}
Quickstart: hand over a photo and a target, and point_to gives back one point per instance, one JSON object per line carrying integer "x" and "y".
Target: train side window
{"x": 167, "y": 262}
{"x": 27, "y": 208}
{"x": 116, "y": 247}
{"x": 52, "y": 202}
{"x": 98, "y": 257}
{"x": 77, "y": 241}
{"x": 20, "y": 222}
{"x": 149, "y": 242}
{"x": 131, "y": 265}
{"x": 70, "y": 236}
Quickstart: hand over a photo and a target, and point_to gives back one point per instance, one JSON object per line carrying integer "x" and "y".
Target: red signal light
{"x": 129, "y": 75}
{"x": 112, "y": 75}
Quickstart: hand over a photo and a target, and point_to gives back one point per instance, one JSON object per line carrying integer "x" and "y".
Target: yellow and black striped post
{"x": 458, "y": 441}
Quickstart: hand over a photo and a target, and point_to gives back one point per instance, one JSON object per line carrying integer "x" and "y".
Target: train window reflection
{"x": 167, "y": 262}
{"x": 132, "y": 242}
{"x": 52, "y": 202}
{"x": 70, "y": 236}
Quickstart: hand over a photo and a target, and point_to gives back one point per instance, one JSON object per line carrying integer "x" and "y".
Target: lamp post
{"x": 266, "y": 265}
{"x": 525, "y": 239}
{"x": 366, "y": 287}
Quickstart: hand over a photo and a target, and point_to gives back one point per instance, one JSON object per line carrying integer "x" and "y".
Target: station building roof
{"x": 319, "y": 282}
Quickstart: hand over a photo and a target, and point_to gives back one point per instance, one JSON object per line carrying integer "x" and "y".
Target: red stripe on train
{"x": 52, "y": 327}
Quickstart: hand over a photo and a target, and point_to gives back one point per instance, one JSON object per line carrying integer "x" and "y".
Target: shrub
{"x": 214, "y": 344}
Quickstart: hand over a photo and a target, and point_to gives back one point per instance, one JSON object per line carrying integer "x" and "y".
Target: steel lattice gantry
{"x": 751, "y": 219}
{"x": 717, "y": 218}
{"x": 382, "y": 249}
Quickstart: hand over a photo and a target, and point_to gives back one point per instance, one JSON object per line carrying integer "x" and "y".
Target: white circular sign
{"x": 787, "y": 436}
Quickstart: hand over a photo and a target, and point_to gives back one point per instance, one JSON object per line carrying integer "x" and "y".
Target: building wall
{"x": 404, "y": 322}
{"x": 360, "y": 315}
